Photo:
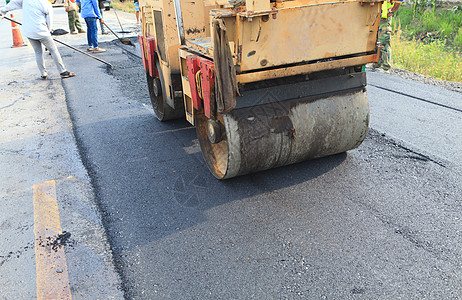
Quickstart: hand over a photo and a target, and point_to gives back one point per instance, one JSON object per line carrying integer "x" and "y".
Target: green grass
{"x": 429, "y": 59}
{"x": 126, "y": 6}
{"x": 458, "y": 38}
{"x": 430, "y": 23}
{"x": 427, "y": 39}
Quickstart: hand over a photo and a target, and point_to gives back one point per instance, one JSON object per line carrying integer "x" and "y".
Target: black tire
{"x": 157, "y": 90}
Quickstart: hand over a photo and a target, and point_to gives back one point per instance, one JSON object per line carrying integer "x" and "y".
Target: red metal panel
{"x": 151, "y": 49}
{"x": 152, "y": 42}
{"x": 143, "y": 52}
{"x": 192, "y": 63}
{"x": 208, "y": 81}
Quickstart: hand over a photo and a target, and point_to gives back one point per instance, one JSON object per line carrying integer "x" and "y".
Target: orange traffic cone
{"x": 17, "y": 37}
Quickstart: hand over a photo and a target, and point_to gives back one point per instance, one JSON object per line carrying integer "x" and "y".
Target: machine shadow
{"x": 151, "y": 180}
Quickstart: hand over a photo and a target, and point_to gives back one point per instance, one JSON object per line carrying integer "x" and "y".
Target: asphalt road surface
{"x": 379, "y": 222}
{"x": 44, "y": 187}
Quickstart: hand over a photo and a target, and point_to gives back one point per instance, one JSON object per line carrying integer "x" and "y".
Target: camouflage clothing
{"x": 384, "y": 43}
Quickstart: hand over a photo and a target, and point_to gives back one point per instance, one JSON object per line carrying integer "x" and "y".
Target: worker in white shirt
{"x": 37, "y": 25}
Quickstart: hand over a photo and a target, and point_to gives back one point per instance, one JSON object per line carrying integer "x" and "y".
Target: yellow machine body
{"x": 295, "y": 60}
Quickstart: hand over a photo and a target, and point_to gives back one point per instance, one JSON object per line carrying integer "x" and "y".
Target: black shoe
{"x": 67, "y": 74}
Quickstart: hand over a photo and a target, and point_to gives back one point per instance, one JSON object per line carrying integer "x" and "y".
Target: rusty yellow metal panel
{"x": 257, "y": 5}
{"x": 216, "y": 3}
{"x": 307, "y": 33}
{"x": 159, "y": 21}
{"x": 188, "y": 104}
{"x": 189, "y": 110}
{"x": 195, "y": 16}
{"x": 305, "y": 69}
{"x": 160, "y": 16}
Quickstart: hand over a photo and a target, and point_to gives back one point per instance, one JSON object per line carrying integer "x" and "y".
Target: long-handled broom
{"x": 73, "y": 48}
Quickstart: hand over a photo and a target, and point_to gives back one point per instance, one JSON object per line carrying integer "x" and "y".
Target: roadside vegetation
{"x": 427, "y": 39}
{"x": 126, "y": 6}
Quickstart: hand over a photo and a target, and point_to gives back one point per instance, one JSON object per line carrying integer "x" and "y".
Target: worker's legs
{"x": 137, "y": 12}
{"x": 51, "y": 46}
{"x": 71, "y": 21}
{"x": 92, "y": 32}
{"x": 77, "y": 22}
{"x": 384, "y": 41}
{"x": 101, "y": 24}
{"x": 37, "y": 46}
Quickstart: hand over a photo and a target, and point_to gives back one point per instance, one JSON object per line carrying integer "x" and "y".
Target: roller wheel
{"x": 157, "y": 90}
{"x": 215, "y": 153}
{"x": 271, "y": 135}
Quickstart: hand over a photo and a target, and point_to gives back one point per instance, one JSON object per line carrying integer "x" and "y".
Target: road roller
{"x": 266, "y": 83}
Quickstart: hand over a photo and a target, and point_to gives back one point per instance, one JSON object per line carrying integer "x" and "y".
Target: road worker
{"x": 73, "y": 18}
{"x": 384, "y": 34}
{"x": 37, "y": 26}
{"x": 91, "y": 13}
{"x": 137, "y": 11}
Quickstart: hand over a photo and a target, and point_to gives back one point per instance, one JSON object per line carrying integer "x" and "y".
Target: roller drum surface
{"x": 276, "y": 134}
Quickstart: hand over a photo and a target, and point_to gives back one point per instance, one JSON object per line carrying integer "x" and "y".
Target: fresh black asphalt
{"x": 380, "y": 222}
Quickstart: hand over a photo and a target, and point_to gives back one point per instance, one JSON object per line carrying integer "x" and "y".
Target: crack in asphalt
{"x": 416, "y": 155}
{"x": 11, "y": 104}
{"x": 411, "y": 236}
{"x": 417, "y": 98}
{"x": 419, "y": 156}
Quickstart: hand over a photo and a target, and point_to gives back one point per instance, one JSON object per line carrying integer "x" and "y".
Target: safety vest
{"x": 385, "y": 7}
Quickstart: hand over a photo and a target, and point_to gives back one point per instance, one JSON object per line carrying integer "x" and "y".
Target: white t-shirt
{"x": 37, "y": 17}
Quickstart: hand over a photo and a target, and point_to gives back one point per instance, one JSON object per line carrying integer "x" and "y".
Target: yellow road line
{"x": 51, "y": 265}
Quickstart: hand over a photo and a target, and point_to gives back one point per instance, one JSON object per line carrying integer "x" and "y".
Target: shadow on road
{"x": 152, "y": 181}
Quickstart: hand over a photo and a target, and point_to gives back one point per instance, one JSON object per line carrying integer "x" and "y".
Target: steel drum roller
{"x": 276, "y": 134}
